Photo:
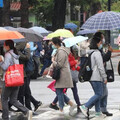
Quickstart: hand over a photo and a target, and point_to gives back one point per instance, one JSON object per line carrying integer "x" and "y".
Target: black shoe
{"x": 107, "y": 113}
{"x": 55, "y": 107}
{"x": 34, "y": 114}
{"x": 78, "y": 109}
{"x": 38, "y": 105}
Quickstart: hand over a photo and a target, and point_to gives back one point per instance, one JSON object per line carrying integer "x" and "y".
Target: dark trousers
{"x": 37, "y": 65}
{"x": 10, "y": 93}
{"x": 75, "y": 94}
{"x": 46, "y": 64}
{"x": 25, "y": 96}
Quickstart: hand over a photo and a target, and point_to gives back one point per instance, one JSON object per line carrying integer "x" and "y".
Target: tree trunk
{"x": 24, "y": 13}
{"x": 96, "y": 7}
{"x": 0, "y": 16}
{"x": 6, "y": 11}
{"x": 59, "y": 14}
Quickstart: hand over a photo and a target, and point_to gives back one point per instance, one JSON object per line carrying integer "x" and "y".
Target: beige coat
{"x": 61, "y": 60}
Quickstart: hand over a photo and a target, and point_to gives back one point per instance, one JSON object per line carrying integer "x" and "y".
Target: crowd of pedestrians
{"x": 69, "y": 60}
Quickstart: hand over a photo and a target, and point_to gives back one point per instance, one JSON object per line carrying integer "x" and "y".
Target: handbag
{"x": 56, "y": 73}
{"x": 14, "y": 75}
{"x": 74, "y": 74}
{"x": 110, "y": 73}
{"x": 119, "y": 67}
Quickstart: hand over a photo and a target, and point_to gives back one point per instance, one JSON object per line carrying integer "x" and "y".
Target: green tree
{"x": 116, "y": 6}
{"x": 43, "y": 9}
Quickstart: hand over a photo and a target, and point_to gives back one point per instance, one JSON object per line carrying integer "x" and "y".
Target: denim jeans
{"x": 103, "y": 102}
{"x": 61, "y": 97}
{"x": 45, "y": 65}
{"x": 95, "y": 100}
{"x": 75, "y": 94}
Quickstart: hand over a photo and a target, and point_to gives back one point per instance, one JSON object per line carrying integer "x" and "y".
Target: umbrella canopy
{"x": 29, "y": 34}
{"x": 2, "y": 28}
{"x": 60, "y": 32}
{"x": 103, "y": 21}
{"x": 71, "y": 26}
{"x": 74, "y": 40}
{"x": 86, "y": 31}
{"x": 41, "y": 30}
{"x": 4, "y": 35}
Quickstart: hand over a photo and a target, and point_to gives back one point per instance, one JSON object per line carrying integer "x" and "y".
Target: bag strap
{"x": 90, "y": 57}
{"x": 12, "y": 58}
{"x": 111, "y": 64}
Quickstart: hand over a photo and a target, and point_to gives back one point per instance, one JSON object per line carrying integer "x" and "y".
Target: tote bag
{"x": 14, "y": 76}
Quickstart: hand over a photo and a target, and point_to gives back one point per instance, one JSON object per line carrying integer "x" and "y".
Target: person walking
{"x": 65, "y": 80}
{"x": 47, "y": 56}
{"x": 98, "y": 77}
{"x": 25, "y": 95}
{"x": 106, "y": 57}
{"x": 11, "y": 93}
{"x": 74, "y": 67}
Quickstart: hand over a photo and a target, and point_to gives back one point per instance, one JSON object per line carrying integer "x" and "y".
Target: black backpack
{"x": 85, "y": 72}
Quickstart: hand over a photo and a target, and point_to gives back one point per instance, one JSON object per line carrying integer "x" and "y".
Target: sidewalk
{"x": 46, "y": 113}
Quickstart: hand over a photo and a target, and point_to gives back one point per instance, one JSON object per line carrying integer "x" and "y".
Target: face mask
{"x": 4, "y": 50}
{"x": 103, "y": 40}
{"x": 100, "y": 47}
{"x": 53, "y": 47}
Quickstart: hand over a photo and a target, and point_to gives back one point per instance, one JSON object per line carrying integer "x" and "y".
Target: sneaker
{"x": 99, "y": 116}
{"x": 84, "y": 110}
{"x": 48, "y": 76}
{"x": 55, "y": 107}
{"x": 38, "y": 105}
{"x": 29, "y": 115}
{"x": 107, "y": 113}
{"x": 72, "y": 109}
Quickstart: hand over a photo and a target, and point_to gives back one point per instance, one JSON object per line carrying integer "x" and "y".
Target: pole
{"x": 109, "y": 9}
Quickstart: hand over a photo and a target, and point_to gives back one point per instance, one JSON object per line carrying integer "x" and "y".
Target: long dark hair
{"x": 95, "y": 40}
{"x": 98, "y": 34}
{"x": 10, "y": 43}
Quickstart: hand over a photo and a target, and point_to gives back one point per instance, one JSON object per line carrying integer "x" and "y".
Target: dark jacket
{"x": 48, "y": 51}
{"x": 24, "y": 53}
{"x": 37, "y": 51}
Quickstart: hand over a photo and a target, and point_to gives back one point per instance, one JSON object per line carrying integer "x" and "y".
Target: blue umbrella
{"x": 103, "y": 21}
{"x": 71, "y": 26}
{"x": 86, "y": 31}
{"x": 74, "y": 40}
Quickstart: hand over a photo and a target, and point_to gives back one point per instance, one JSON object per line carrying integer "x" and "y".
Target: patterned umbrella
{"x": 86, "y": 31}
{"x": 103, "y": 21}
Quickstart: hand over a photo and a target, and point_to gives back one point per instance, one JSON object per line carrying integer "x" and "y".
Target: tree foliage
{"x": 43, "y": 10}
